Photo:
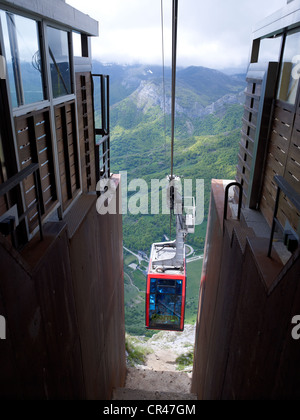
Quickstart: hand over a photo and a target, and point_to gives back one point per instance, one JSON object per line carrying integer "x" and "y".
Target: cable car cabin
{"x": 166, "y": 287}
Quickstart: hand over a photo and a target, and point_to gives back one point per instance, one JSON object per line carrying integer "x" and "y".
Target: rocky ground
{"x": 159, "y": 374}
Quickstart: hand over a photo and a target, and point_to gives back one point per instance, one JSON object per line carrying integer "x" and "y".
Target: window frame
{"x": 21, "y": 109}
{"x": 50, "y": 102}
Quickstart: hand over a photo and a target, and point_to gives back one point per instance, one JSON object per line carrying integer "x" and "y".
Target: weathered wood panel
{"x": 96, "y": 257}
{"x": 249, "y": 127}
{"x": 283, "y": 159}
{"x": 66, "y": 138}
{"x": 85, "y": 111}
{"x": 244, "y": 348}
{"x": 35, "y": 146}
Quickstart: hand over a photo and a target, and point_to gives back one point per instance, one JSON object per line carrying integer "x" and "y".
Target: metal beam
{"x": 288, "y": 17}
{"x": 56, "y": 11}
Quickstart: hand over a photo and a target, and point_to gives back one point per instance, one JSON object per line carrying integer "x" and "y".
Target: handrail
{"x": 16, "y": 179}
{"x": 293, "y": 196}
{"x": 233, "y": 184}
{"x": 104, "y": 130}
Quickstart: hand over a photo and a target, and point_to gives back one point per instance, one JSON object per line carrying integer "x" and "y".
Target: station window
{"x": 23, "y": 58}
{"x": 80, "y": 45}
{"x": 289, "y": 74}
{"x": 269, "y": 49}
{"x": 59, "y": 62}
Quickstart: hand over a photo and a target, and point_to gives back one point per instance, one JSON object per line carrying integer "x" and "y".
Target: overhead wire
{"x": 174, "y": 63}
{"x": 173, "y": 93}
{"x": 163, "y": 73}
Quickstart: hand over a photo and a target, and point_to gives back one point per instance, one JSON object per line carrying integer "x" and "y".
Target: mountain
{"x": 207, "y": 132}
{"x": 207, "y": 84}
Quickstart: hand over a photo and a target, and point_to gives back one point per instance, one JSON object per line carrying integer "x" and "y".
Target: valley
{"x": 207, "y": 133}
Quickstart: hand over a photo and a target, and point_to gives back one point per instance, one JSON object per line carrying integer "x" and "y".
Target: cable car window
{"x": 23, "y": 59}
{"x": 165, "y": 303}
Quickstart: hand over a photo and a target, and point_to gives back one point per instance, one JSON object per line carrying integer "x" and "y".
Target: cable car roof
{"x": 163, "y": 251}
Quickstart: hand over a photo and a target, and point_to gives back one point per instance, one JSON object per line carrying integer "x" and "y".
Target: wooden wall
{"x": 283, "y": 159}
{"x": 63, "y": 300}
{"x": 244, "y": 348}
{"x": 34, "y": 142}
{"x": 85, "y": 109}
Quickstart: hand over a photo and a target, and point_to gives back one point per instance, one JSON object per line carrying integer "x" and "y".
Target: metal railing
{"x": 102, "y": 128}
{"x": 13, "y": 182}
{"x": 291, "y": 194}
{"x": 232, "y": 184}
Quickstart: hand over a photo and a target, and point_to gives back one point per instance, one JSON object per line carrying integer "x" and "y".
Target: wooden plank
{"x": 284, "y": 115}
{"x": 28, "y": 183}
{"x": 269, "y": 176}
{"x": 24, "y": 153}
{"x": 288, "y": 212}
{"x": 42, "y": 143}
{"x": 296, "y": 137}
{"x": 46, "y": 182}
{"x": 266, "y": 210}
{"x": 278, "y": 154}
{"x": 274, "y": 163}
{"x": 279, "y": 140}
{"x": 30, "y": 196}
{"x": 40, "y": 129}
{"x": 3, "y": 207}
{"x": 282, "y": 128}
{"x": 294, "y": 152}
{"x": 23, "y": 137}
{"x": 71, "y": 140}
{"x": 60, "y": 146}
{"x": 292, "y": 180}
{"x": 47, "y": 194}
{"x": 44, "y": 170}
{"x": 270, "y": 191}
{"x": 43, "y": 156}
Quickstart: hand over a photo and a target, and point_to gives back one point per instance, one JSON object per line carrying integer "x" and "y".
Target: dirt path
{"x": 159, "y": 373}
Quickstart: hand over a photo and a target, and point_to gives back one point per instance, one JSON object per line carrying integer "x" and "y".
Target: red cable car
{"x": 166, "y": 278}
{"x": 165, "y": 294}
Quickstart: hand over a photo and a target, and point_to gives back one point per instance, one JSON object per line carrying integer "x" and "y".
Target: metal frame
{"x": 104, "y": 130}
{"x": 43, "y": 21}
{"x": 57, "y": 12}
{"x": 232, "y": 184}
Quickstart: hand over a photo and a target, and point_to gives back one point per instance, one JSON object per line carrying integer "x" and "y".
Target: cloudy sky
{"x": 211, "y": 33}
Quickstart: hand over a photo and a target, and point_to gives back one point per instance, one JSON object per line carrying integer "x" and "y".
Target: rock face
{"x": 150, "y": 94}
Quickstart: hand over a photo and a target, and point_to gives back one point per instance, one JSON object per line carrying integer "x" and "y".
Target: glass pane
{"x": 289, "y": 77}
{"x": 269, "y": 49}
{"x": 23, "y": 59}
{"x": 165, "y": 303}
{"x": 97, "y": 102}
{"x": 77, "y": 47}
{"x": 59, "y": 62}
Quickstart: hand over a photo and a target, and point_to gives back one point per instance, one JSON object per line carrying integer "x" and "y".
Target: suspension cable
{"x": 174, "y": 59}
{"x": 163, "y": 74}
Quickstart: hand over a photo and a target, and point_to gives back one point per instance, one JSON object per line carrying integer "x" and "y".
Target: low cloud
{"x": 214, "y": 34}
